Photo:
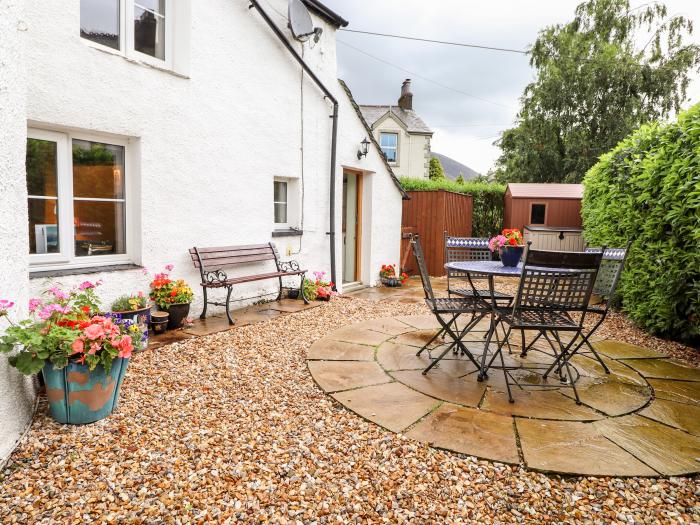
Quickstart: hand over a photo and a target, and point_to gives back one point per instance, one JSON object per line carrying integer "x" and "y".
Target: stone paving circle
{"x": 642, "y": 419}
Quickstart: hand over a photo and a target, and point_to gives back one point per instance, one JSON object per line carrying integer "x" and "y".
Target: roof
{"x": 373, "y": 140}
{"x": 546, "y": 190}
{"x": 413, "y": 123}
{"x": 325, "y": 13}
{"x": 453, "y": 168}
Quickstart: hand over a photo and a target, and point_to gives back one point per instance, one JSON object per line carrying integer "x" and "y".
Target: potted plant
{"x": 83, "y": 355}
{"x": 318, "y": 288}
{"x": 134, "y": 308}
{"x": 388, "y": 276}
{"x": 159, "y": 322}
{"x": 173, "y": 296}
{"x": 509, "y": 245}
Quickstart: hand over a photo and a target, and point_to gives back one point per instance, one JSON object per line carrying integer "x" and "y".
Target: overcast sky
{"x": 471, "y": 94}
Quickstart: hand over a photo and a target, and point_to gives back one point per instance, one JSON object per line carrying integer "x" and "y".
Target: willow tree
{"x": 598, "y": 77}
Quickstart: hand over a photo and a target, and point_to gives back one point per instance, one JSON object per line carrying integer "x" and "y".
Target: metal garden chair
{"x": 553, "y": 286}
{"x": 450, "y": 307}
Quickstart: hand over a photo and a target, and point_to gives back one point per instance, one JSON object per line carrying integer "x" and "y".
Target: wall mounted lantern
{"x": 364, "y": 148}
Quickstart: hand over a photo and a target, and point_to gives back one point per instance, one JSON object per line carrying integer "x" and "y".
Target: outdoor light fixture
{"x": 364, "y": 148}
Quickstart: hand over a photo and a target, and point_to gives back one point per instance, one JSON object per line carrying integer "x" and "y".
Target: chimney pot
{"x": 406, "y": 98}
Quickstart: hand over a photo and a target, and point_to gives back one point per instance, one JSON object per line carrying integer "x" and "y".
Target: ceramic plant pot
{"x": 510, "y": 255}
{"x": 142, "y": 318}
{"x": 78, "y": 395}
{"x": 159, "y": 322}
{"x": 177, "y": 312}
{"x": 392, "y": 282}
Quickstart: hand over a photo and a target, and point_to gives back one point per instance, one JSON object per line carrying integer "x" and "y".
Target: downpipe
{"x": 334, "y": 134}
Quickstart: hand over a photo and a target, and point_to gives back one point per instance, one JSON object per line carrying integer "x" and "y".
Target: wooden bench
{"x": 212, "y": 261}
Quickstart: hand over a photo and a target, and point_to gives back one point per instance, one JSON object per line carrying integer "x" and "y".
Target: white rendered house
{"x": 133, "y": 130}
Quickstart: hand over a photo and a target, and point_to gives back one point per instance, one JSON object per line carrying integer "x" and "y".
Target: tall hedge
{"x": 487, "y": 198}
{"x": 647, "y": 189}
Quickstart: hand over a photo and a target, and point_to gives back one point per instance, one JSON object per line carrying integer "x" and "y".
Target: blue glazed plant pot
{"x": 141, "y": 318}
{"x": 78, "y": 395}
{"x": 510, "y": 255}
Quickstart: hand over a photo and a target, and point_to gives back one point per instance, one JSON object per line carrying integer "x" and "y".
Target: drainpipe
{"x": 334, "y": 134}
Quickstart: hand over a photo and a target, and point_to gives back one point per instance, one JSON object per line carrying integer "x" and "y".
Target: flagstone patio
{"x": 643, "y": 419}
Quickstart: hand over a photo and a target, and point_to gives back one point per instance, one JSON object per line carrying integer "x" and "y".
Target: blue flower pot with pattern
{"x": 510, "y": 255}
{"x": 78, "y": 395}
{"x": 141, "y": 318}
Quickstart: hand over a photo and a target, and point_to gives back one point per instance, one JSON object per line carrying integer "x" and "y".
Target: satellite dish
{"x": 300, "y": 21}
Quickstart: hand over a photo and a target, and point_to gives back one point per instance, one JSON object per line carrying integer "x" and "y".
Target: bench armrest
{"x": 288, "y": 266}
{"x": 214, "y": 276}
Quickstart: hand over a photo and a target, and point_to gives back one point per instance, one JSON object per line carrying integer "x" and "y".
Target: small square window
{"x": 537, "y": 213}
{"x": 389, "y": 143}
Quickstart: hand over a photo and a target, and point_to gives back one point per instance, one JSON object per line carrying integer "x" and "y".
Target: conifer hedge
{"x": 647, "y": 189}
{"x": 487, "y": 199}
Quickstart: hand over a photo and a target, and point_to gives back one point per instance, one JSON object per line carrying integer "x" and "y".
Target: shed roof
{"x": 546, "y": 190}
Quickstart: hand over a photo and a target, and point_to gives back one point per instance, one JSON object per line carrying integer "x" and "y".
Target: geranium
{"x": 508, "y": 237}
{"x": 166, "y": 291}
{"x": 63, "y": 326}
{"x": 319, "y": 288}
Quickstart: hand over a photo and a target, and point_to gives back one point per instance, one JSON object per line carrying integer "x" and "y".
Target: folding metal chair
{"x": 450, "y": 307}
{"x": 553, "y": 285}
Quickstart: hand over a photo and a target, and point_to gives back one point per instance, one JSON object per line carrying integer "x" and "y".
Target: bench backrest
{"x": 223, "y": 256}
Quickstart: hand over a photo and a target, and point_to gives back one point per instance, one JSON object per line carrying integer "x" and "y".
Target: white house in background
{"x": 133, "y": 131}
{"x": 402, "y": 134}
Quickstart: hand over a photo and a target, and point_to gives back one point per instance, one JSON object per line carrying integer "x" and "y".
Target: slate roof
{"x": 413, "y": 123}
{"x": 372, "y": 139}
{"x": 546, "y": 190}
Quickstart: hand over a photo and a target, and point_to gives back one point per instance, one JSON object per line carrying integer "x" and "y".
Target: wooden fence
{"x": 430, "y": 214}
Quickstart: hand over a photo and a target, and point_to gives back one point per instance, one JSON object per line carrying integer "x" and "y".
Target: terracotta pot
{"x": 177, "y": 312}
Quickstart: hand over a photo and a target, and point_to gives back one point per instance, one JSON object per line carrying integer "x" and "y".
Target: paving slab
{"x": 679, "y": 415}
{"x": 392, "y": 356}
{"x": 469, "y": 431}
{"x": 420, "y": 322}
{"x": 680, "y": 391}
{"x": 417, "y": 338}
{"x": 392, "y": 405}
{"x": 441, "y": 385}
{"x": 334, "y": 376}
{"x": 573, "y": 447}
{"x": 210, "y": 325}
{"x": 387, "y": 326}
{"x": 332, "y": 350}
{"x": 620, "y": 350}
{"x": 590, "y": 367}
{"x": 293, "y": 305}
{"x": 667, "y": 450}
{"x": 663, "y": 369}
{"x": 543, "y": 404}
{"x": 355, "y": 334}
{"x": 612, "y": 397}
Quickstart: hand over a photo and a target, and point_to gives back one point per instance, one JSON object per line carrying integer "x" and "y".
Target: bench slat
{"x": 213, "y": 249}
{"x": 227, "y": 261}
{"x": 230, "y": 255}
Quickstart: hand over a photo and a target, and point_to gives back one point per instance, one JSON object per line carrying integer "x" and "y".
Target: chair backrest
{"x": 610, "y": 269}
{"x": 420, "y": 261}
{"x": 466, "y": 249}
{"x": 560, "y": 281}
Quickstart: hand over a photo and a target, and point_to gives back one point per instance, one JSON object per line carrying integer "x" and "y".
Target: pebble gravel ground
{"x": 231, "y": 428}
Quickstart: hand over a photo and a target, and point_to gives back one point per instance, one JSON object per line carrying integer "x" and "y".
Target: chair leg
{"x": 228, "y": 299}
{"x": 426, "y": 345}
{"x": 505, "y": 375}
{"x": 436, "y": 361}
{"x": 596, "y": 354}
{"x": 203, "y": 315}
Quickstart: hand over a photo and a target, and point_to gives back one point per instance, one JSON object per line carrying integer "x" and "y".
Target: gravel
{"x": 231, "y": 428}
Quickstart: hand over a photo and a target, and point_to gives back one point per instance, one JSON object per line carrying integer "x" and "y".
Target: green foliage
{"x": 435, "y": 170}
{"x": 460, "y": 178}
{"x": 487, "y": 218}
{"x": 599, "y": 77}
{"x": 129, "y": 303}
{"x": 97, "y": 155}
{"x": 648, "y": 190}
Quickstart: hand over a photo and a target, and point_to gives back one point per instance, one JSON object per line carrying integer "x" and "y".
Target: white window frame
{"x": 126, "y": 36}
{"x": 66, "y": 257}
{"x": 394, "y": 162}
{"x": 280, "y": 225}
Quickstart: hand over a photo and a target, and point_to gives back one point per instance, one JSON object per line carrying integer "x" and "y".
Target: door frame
{"x": 358, "y": 222}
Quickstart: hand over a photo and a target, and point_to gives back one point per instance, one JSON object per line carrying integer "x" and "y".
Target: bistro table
{"x": 490, "y": 269}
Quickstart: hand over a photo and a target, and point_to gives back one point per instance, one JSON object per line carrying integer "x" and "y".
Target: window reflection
{"x": 149, "y": 28}
{"x": 42, "y": 186}
{"x": 99, "y": 21}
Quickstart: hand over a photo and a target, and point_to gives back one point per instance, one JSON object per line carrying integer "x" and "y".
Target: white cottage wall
{"x": 17, "y": 393}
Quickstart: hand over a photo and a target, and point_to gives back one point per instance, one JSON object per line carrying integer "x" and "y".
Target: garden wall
{"x": 647, "y": 189}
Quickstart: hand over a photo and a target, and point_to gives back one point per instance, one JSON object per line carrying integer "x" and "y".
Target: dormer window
{"x": 389, "y": 143}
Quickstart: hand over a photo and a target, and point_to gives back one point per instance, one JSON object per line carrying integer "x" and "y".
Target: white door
{"x": 349, "y": 227}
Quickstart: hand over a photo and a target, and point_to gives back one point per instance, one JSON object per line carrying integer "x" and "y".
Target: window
{"x": 389, "y": 143}
{"x": 138, "y": 28}
{"x": 281, "y": 204}
{"x": 537, "y": 213}
{"x": 77, "y": 199}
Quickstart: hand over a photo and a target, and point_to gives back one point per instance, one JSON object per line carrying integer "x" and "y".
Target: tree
{"x": 460, "y": 178}
{"x": 598, "y": 78}
{"x": 435, "y": 170}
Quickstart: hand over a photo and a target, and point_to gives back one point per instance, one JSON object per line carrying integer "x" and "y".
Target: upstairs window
{"x": 538, "y": 213}
{"x": 389, "y": 142}
{"x": 137, "y": 28}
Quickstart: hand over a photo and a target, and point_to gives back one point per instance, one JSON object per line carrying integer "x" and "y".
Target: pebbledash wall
{"x": 205, "y": 140}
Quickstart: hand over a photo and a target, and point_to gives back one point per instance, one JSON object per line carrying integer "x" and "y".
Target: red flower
{"x": 85, "y": 309}
{"x": 513, "y": 241}
{"x": 173, "y": 293}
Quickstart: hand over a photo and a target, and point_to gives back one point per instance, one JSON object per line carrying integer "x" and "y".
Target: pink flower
{"x": 144, "y": 271}
{"x": 78, "y": 346}
{"x": 94, "y": 331}
{"x": 86, "y": 285}
{"x": 94, "y": 347}
{"x": 5, "y": 305}
{"x": 45, "y": 312}
{"x": 34, "y": 304}
{"x": 169, "y": 267}
{"x": 58, "y": 293}
{"x": 126, "y": 347}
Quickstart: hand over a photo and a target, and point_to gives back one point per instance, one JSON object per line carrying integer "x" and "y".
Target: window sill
{"x": 144, "y": 63}
{"x": 288, "y": 232}
{"x": 80, "y": 271}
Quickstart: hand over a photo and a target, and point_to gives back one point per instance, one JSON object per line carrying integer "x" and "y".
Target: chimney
{"x": 406, "y": 98}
